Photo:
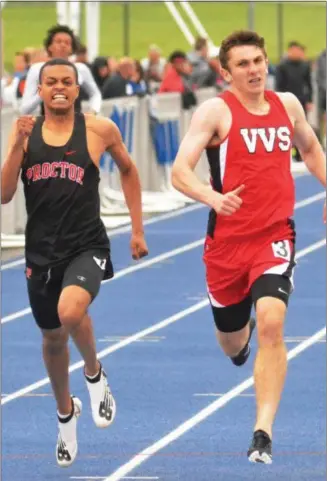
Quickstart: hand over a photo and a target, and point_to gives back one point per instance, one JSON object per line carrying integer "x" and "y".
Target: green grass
{"x": 150, "y": 22}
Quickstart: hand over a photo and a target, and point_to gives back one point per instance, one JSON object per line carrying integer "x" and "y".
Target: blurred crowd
{"x": 181, "y": 72}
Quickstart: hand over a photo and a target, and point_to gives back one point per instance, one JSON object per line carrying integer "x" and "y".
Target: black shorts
{"x": 87, "y": 270}
{"x": 235, "y": 317}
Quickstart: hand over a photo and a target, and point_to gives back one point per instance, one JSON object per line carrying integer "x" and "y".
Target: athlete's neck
{"x": 57, "y": 121}
{"x": 253, "y": 103}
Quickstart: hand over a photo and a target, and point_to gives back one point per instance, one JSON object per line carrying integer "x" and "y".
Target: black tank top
{"x": 61, "y": 186}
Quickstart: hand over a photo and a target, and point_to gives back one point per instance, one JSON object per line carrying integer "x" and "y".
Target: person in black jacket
{"x": 293, "y": 75}
{"x": 117, "y": 85}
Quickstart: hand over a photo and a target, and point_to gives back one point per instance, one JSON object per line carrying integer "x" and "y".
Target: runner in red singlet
{"x": 249, "y": 250}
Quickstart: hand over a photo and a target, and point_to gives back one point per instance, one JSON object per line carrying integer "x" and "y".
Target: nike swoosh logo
{"x": 281, "y": 290}
{"x": 71, "y": 152}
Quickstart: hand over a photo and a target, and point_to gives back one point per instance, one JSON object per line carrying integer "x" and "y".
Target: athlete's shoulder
{"x": 287, "y": 98}
{"x": 100, "y": 125}
{"x": 214, "y": 108}
{"x": 291, "y": 103}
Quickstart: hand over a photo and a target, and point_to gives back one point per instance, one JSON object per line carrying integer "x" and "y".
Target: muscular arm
{"x": 203, "y": 127}
{"x": 305, "y": 140}
{"x": 11, "y": 167}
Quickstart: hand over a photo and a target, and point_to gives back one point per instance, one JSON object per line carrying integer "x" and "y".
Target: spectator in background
{"x": 117, "y": 85}
{"x": 60, "y": 43}
{"x": 21, "y": 64}
{"x": 321, "y": 84}
{"x": 153, "y": 66}
{"x": 38, "y": 55}
{"x": 112, "y": 64}
{"x": 293, "y": 75}
{"x": 21, "y": 67}
{"x": 82, "y": 56}
{"x": 137, "y": 83}
{"x": 177, "y": 78}
{"x": 100, "y": 70}
{"x": 203, "y": 75}
{"x": 13, "y": 89}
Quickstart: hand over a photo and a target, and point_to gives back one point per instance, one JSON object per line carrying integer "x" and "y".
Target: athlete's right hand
{"x": 227, "y": 204}
{"x": 24, "y": 127}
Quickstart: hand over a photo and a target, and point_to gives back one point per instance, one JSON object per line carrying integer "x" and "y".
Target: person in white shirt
{"x": 153, "y": 66}
{"x": 60, "y": 43}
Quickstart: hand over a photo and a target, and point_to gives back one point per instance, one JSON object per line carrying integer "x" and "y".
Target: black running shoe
{"x": 242, "y": 356}
{"x": 260, "y": 449}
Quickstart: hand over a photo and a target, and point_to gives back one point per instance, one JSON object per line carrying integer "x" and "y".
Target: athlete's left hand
{"x": 138, "y": 246}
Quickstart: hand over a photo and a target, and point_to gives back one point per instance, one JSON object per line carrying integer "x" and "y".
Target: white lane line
{"x": 145, "y": 332}
{"x": 121, "y": 338}
{"x": 154, "y": 260}
{"x": 125, "y": 229}
{"x": 218, "y": 394}
{"x": 311, "y": 200}
{"x": 202, "y": 415}
{"x": 89, "y": 478}
{"x": 16, "y": 315}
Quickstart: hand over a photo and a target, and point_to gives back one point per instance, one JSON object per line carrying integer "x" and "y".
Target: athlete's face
{"x": 58, "y": 88}
{"x": 61, "y": 46}
{"x": 247, "y": 69}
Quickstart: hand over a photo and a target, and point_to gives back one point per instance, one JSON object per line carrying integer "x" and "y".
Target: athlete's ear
{"x": 78, "y": 88}
{"x": 226, "y": 75}
{"x": 39, "y": 90}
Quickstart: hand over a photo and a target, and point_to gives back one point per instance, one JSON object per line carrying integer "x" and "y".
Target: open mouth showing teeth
{"x": 255, "y": 81}
{"x": 59, "y": 97}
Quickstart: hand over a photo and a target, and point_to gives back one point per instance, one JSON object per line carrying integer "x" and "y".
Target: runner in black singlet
{"x": 67, "y": 248}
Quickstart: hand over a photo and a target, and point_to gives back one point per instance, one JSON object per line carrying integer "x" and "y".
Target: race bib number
{"x": 282, "y": 249}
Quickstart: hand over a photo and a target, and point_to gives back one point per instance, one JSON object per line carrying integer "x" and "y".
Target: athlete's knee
{"x": 270, "y": 321}
{"x": 72, "y": 306}
{"x": 71, "y": 313}
{"x": 55, "y": 341}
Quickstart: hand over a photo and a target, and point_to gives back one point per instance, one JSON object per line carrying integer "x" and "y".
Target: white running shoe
{"x": 67, "y": 446}
{"x": 103, "y": 405}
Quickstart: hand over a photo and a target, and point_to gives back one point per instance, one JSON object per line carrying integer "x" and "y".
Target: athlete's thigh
{"x": 87, "y": 271}
{"x": 44, "y": 294}
{"x": 272, "y": 271}
{"x": 232, "y": 318}
{"x": 227, "y": 285}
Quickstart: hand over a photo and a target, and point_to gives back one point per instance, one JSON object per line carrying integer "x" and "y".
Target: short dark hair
{"x": 60, "y": 29}
{"x": 237, "y": 39}
{"x": 294, "y": 43}
{"x": 177, "y": 54}
{"x": 58, "y": 61}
